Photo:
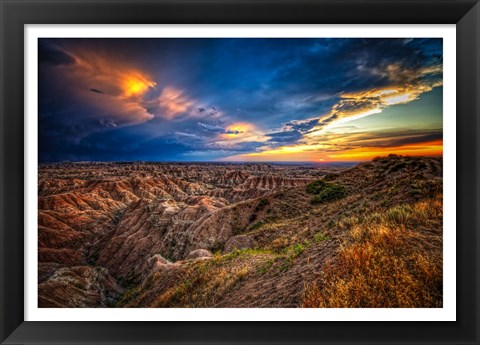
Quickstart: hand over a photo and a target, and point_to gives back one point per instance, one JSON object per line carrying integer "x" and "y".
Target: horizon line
{"x": 236, "y": 161}
{"x": 212, "y": 161}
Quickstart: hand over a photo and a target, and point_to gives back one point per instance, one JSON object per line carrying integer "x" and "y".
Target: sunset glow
{"x": 433, "y": 148}
{"x": 240, "y": 129}
{"x": 134, "y": 85}
{"x": 314, "y": 153}
{"x": 319, "y": 100}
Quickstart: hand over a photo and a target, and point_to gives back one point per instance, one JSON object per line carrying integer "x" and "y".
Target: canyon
{"x": 139, "y": 234}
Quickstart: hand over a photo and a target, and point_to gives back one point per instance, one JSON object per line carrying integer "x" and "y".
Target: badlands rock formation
{"x": 203, "y": 235}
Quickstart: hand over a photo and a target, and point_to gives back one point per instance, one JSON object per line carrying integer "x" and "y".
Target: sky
{"x": 239, "y": 99}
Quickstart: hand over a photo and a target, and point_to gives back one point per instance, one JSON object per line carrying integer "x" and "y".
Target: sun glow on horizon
{"x": 314, "y": 153}
{"x": 432, "y": 148}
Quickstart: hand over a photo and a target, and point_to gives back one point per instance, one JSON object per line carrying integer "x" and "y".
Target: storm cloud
{"x": 165, "y": 99}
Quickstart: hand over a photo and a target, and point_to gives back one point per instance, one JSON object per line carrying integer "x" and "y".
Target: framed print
{"x": 239, "y": 172}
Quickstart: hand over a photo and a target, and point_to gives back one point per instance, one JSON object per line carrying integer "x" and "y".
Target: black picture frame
{"x": 16, "y": 13}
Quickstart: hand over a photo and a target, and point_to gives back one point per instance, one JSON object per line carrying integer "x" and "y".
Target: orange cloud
{"x": 236, "y": 135}
{"x": 238, "y": 130}
{"x": 136, "y": 84}
{"x": 173, "y": 102}
{"x": 121, "y": 86}
{"x": 113, "y": 76}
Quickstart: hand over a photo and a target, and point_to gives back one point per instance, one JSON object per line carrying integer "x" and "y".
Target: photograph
{"x": 229, "y": 172}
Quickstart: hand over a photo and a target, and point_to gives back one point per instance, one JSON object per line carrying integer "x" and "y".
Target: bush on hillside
{"x": 330, "y": 193}
{"x": 325, "y": 191}
{"x": 316, "y": 187}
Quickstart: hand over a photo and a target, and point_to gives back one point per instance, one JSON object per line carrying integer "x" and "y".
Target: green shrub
{"x": 320, "y": 237}
{"x": 316, "y": 186}
{"x": 330, "y": 193}
{"x": 292, "y": 252}
{"x": 298, "y": 249}
{"x": 325, "y": 191}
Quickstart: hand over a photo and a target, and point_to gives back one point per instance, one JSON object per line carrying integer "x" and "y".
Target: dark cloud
{"x": 377, "y": 139}
{"x": 401, "y": 139}
{"x": 50, "y": 54}
{"x": 284, "y": 137}
{"x": 301, "y": 125}
{"x": 356, "y": 64}
{"x": 218, "y": 129}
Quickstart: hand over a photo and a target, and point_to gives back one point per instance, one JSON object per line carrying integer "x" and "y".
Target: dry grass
{"x": 208, "y": 281}
{"x": 389, "y": 259}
